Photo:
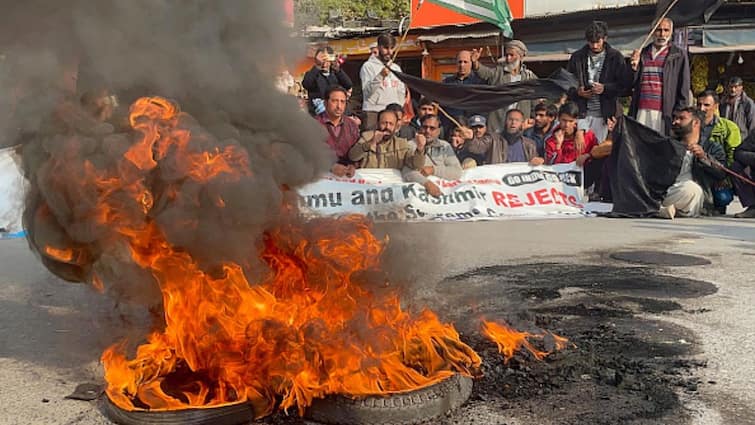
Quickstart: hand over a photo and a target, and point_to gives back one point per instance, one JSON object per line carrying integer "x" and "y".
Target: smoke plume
{"x": 215, "y": 62}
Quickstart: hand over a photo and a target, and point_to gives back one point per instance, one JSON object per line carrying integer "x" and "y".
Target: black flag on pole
{"x": 687, "y": 12}
{"x": 482, "y": 98}
{"x": 644, "y": 165}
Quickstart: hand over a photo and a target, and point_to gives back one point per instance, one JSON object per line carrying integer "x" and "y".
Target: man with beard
{"x": 602, "y": 74}
{"x": 324, "y": 73}
{"x": 381, "y": 148}
{"x": 544, "y": 123}
{"x": 513, "y": 146}
{"x": 432, "y": 157}
{"x": 512, "y": 70}
{"x": 342, "y": 131}
{"x": 661, "y": 80}
{"x": 380, "y": 87}
{"x": 739, "y": 108}
{"x": 691, "y": 195}
{"x": 464, "y": 75}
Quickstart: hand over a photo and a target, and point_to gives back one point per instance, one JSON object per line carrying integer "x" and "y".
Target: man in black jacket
{"x": 692, "y": 194}
{"x": 661, "y": 80}
{"x": 602, "y": 74}
{"x": 325, "y": 73}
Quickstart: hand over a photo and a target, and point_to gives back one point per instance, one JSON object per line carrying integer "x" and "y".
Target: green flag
{"x": 496, "y": 12}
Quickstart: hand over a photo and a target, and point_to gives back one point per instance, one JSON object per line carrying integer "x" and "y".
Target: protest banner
{"x": 483, "y": 193}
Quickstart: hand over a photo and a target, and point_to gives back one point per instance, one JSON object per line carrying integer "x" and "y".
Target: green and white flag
{"x": 496, "y": 12}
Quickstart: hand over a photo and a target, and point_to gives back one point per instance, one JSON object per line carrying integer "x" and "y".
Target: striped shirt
{"x": 651, "y": 80}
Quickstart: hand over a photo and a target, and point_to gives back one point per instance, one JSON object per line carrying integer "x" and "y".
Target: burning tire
{"x": 235, "y": 414}
{"x": 398, "y": 409}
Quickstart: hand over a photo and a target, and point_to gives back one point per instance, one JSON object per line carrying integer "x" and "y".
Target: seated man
{"x": 543, "y": 125}
{"x": 403, "y": 129}
{"x": 691, "y": 195}
{"x": 475, "y": 144}
{"x": 744, "y": 158}
{"x": 513, "y": 146}
{"x": 722, "y": 131}
{"x": 568, "y": 144}
{"x": 342, "y": 131}
{"x": 381, "y": 148}
{"x": 432, "y": 157}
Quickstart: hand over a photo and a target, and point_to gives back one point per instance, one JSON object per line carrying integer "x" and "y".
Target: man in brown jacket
{"x": 513, "y": 146}
{"x": 381, "y": 148}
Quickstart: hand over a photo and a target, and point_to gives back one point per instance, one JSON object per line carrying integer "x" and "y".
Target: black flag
{"x": 483, "y": 98}
{"x": 687, "y": 12}
{"x": 644, "y": 165}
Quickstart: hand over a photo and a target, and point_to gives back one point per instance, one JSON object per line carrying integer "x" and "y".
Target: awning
{"x": 438, "y": 38}
{"x": 728, "y": 39}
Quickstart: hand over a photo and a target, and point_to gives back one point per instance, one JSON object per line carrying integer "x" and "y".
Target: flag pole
{"x": 658, "y": 22}
{"x": 395, "y": 55}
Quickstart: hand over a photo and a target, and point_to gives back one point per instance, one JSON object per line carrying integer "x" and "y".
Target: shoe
{"x": 667, "y": 212}
{"x": 748, "y": 213}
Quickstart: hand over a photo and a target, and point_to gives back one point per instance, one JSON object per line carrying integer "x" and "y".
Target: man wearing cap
{"x": 476, "y": 142}
{"x": 738, "y": 107}
{"x": 661, "y": 80}
{"x": 512, "y": 70}
{"x": 380, "y": 87}
{"x": 432, "y": 157}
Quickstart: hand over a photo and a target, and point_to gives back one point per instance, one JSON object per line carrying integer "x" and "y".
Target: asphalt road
{"x": 52, "y": 332}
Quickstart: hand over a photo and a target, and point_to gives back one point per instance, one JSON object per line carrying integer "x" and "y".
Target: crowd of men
{"x": 442, "y": 141}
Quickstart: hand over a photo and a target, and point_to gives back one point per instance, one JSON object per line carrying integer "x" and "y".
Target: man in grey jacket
{"x": 432, "y": 157}
{"x": 510, "y": 71}
{"x": 738, "y": 107}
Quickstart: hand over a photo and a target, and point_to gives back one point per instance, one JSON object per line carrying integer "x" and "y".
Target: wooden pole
{"x": 453, "y": 120}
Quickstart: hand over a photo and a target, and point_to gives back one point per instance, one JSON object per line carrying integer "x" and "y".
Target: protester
{"x": 324, "y": 73}
{"x": 512, "y": 70}
{"x": 477, "y": 142}
{"x": 426, "y": 107}
{"x": 570, "y": 144}
{"x": 739, "y": 108}
{"x": 691, "y": 195}
{"x": 543, "y": 124}
{"x": 602, "y": 74}
{"x": 381, "y": 148}
{"x": 661, "y": 80}
{"x": 432, "y": 157}
{"x": 512, "y": 146}
{"x": 464, "y": 75}
{"x": 564, "y": 146}
{"x": 380, "y": 87}
{"x": 343, "y": 132}
{"x": 403, "y": 129}
{"x": 716, "y": 129}
{"x": 744, "y": 159}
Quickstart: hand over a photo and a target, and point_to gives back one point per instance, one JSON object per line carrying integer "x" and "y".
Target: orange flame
{"x": 307, "y": 330}
{"x": 61, "y": 254}
{"x": 509, "y": 341}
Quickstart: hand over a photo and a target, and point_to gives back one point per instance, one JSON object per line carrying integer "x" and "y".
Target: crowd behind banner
{"x": 702, "y": 140}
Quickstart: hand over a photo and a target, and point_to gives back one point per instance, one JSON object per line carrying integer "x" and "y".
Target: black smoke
{"x": 216, "y": 60}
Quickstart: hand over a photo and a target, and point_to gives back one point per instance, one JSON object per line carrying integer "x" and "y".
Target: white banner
{"x": 482, "y": 193}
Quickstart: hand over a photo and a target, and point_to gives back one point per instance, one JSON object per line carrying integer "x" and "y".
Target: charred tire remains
{"x": 409, "y": 408}
{"x": 235, "y": 414}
